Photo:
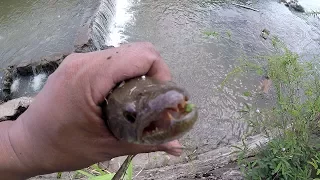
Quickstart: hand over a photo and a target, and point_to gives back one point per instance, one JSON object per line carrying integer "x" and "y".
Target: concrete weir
{"x": 26, "y": 77}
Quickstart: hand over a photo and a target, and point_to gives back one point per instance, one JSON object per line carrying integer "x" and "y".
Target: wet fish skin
{"x": 133, "y": 105}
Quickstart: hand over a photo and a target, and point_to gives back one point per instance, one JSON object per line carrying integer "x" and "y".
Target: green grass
{"x": 94, "y": 172}
{"x": 292, "y": 151}
{"x": 247, "y": 94}
{"x": 210, "y": 33}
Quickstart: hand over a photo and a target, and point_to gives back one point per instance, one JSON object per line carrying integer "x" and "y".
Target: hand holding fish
{"x": 63, "y": 129}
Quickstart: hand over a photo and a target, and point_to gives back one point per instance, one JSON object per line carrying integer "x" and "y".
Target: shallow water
{"x": 32, "y": 29}
{"x": 200, "y": 63}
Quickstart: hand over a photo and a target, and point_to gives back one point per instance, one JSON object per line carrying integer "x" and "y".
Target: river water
{"x": 32, "y": 29}
{"x": 178, "y": 29}
{"x": 201, "y": 63}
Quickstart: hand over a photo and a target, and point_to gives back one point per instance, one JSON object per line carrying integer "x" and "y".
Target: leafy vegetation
{"x": 94, "y": 172}
{"x": 291, "y": 125}
{"x": 211, "y": 33}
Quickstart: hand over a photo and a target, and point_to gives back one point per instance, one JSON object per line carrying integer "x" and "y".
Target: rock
{"x": 89, "y": 47}
{"x": 11, "y": 110}
{"x": 297, "y": 7}
{"x": 24, "y": 70}
{"x": 265, "y": 33}
{"x": 214, "y": 164}
{"x": 293, "y": 4}
{"x": 232, "y": 175}
{"x": 47, "y": 67}
{"x": 86, "y": 47}
{"x": 46, "y": 64}
{"x": 7, "y": 81}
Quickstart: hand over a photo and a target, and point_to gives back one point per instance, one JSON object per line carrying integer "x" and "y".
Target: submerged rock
{"x": 265, "y": 33}
{"x": 293, "y": 4}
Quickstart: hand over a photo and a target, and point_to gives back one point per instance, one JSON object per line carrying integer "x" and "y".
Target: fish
{"x": 144, "y": 110}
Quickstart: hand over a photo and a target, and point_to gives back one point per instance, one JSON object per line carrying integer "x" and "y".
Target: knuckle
{"x": 151, "y": 53}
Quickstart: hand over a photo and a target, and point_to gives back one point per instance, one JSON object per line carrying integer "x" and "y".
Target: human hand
{"x": 62, "y": 130}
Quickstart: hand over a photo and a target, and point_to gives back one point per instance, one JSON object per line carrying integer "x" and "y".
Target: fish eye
{"x": 130, "y": 116}
{"x": 129, "y": 112}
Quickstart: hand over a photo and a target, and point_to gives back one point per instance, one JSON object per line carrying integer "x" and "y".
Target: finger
{"x": 139, "y": 59}
{"x": 125, "y": 62}
{"x": 173, "y": 148}
{"x": 160, "y": 70}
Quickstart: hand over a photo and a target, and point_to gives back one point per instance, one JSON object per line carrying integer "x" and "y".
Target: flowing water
{"x": 200, "y": 63}
{"x": 32, "y": 29}
{"x": 179, "y": 31}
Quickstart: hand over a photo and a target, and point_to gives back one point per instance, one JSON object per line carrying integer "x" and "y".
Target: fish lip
{"x": 177, "y": 129}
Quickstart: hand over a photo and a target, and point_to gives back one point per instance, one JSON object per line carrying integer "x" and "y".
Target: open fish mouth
{"x": 172, "y": 123}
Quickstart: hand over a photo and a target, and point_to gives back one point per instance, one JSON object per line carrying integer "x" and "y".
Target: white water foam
{"x": 15, "y": 85}
{"x": 38, "y": 81}
{"x": 119, "y": 22}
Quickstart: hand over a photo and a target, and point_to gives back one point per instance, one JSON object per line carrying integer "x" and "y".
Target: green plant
{"x": 315, "y": 162}
{"x": 94, "y": 172}
{"x": 229, "y": 34}
{"x": 211, "y": 33}
{"x": 247, "y": 93}
{"x": 289, "y": 124}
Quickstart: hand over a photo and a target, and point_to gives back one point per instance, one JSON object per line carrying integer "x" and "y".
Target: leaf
{"x": 97, "y": 168}
{"x": 318, "y": 171}
{"x": 85, "y": 173}
{"x": 189, "y": 107}
{"x": 313, "y": 163}
{"x": 277, "y": 168}
{"x": 129, "y": 171}
{"x": 259, "y": 72}
{"x": 59, "y": 175}
{"x": 103, "y": 177}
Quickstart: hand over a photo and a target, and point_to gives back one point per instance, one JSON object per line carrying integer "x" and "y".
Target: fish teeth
{"x": 170, "y": 116}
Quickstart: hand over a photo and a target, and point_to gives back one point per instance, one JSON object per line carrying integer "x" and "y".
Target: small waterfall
{"x": 110, "y": 21}
{"x": 102, "y": 21}
{"x": 15, "y": 86}
{"x": 38, "y": 81}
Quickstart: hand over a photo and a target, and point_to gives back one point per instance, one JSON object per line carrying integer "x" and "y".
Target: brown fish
{"x": 147, "y": 111}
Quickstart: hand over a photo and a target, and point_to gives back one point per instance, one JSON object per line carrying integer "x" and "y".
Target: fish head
{"x": 147, "y": 111}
